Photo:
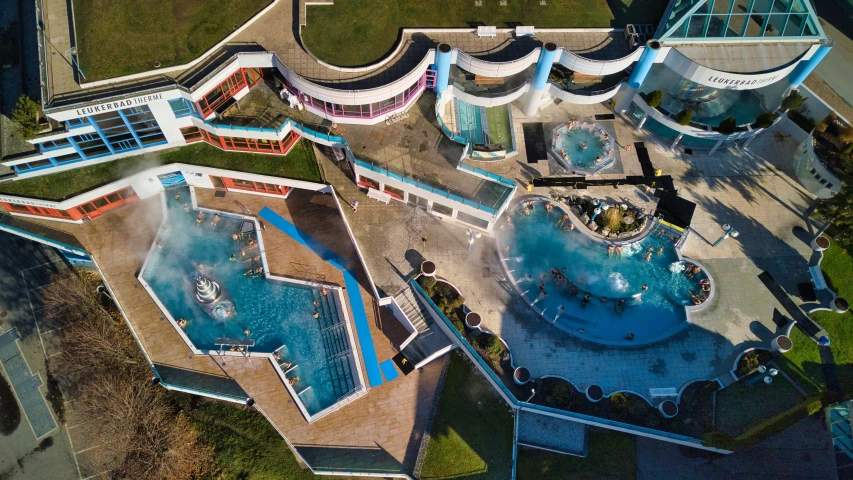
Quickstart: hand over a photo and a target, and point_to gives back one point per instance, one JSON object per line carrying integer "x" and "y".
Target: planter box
{"x": 521, "y": 375}
{"x": 782, "y": 344}
{"x": 668, "y": 408}
{"x": 594, "y": 393}
{"x": 820, "y": 243}
{"x": 428, "y": 268}
{"x": 840, "y": 305}
{"x": 473, "y": 320}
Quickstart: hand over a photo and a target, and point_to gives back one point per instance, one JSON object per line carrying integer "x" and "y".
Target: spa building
{"x": 254, "y": 93}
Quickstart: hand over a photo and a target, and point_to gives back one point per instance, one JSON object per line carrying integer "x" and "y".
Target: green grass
{"x": 472, "y": 433}
{"x": 499, "y": 125}
{"x": 360, "y": 32}
{"x": 300, "y": 164}
{"x": 740, "y": 407}
{"x": 804, "y": 358}
{"x": 611, "y": 455}
{"x": 246, "y": 445}
{"x": 121, "y": 37}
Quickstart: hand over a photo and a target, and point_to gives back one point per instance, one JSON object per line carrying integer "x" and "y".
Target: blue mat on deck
{"x": 389, "y": 370}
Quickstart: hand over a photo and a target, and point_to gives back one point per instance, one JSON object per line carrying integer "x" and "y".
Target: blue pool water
{"x": 583, "y": 144}
{"x": 536, "y": 245}
{"x": 470, "y": 120}
{"x": 276, "y": 313}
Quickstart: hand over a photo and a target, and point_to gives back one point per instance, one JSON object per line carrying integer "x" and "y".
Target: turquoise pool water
{"x": 276, "y": 313}
{"x": 470, "y": 120}
{"x": 582, "y": 145}
{"x": 537, "y": 245}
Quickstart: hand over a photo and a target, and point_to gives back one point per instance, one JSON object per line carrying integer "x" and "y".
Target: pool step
{"x": 335, "y": 338}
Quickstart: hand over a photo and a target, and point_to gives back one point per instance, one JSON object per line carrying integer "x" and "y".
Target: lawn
{"x": 611, "y": 455}
{"x": 246, "y": 445}
{"x": 804, "y": 358}
{"x": 121, "y": 37}
{"x": 740, "y": 407}
{"x": 472, "y": 433}
{"x": 300, "y": 164}
{"x": 376, "y": 24}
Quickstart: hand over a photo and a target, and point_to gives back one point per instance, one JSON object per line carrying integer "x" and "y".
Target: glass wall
{"x": 369, "y": 110}
{"x": 115, "y": 132}
{"x": 217, "y": 98}
{"x": 282, "y": 147}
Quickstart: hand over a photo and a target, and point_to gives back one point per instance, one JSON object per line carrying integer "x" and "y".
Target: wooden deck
{"x": 381, "y": 431}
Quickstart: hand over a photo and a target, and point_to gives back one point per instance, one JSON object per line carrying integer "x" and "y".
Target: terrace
{"x": 118, "y": 242}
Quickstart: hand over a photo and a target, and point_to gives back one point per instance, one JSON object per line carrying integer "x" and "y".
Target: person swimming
{"x": 233, "y": 257}
{"x": 630, "y": 336}
{"x": 604, "y": 300}
{"x": 160, "y": 243}
{"x": 199, "y": 218}
{"x": 660, "y": 250}
{"x": 177, "y": 196}
{"x": 186, "y": 207}
{"x": 316, "y": 314}
{"x": 619, "y": 250}
{"x": 256, "y": 258}
{"x": 644, "y": 287}
{"x": 647, "y": 257}
{"x": 182, "y": 322}
{"x": 562, "y": 220}
{"x": 323, "y": 291}
{"x": 586, "y": 299}
{"x": 216, "y": 219}
{"x": 610, "y": 250}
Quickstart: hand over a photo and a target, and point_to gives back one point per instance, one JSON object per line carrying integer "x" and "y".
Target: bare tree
{"x": 142, "y": 434}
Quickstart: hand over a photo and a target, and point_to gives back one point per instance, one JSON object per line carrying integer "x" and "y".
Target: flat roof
{"x": 744, "y": 57}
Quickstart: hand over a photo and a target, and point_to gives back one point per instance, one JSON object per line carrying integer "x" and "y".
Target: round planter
{"x": 782, "y": 344}
{"x": 594, "y": 393}
{"x": 473, "y": 320}
{"x": 668, "y": 408}
{"x": 428, "y": 268}
{"x": 521, "y": 375}
{"x": 820, "y": 243}
{"x": 840, "y": 305}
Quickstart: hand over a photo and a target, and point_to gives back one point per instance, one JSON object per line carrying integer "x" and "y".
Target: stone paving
{"x": 755, "y": 193}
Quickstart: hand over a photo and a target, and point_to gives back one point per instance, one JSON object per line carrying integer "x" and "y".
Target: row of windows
{"x": 182, "y": 107}
{"x": 115, "y": 132}
{"x": 820, "y": 179}
{"x": 213, "y": 100}
{"x": 236, "y": 183}
{"x": 283, "y": 147}
{"x": 369, "y": 110}
{"x": 92, "y": 209}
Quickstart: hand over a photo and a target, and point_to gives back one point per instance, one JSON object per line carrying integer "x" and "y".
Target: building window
{"x": 395, "y": 192}
{"x": 472, "y": 220}
{"x": 39, "y": 211}
{"x": 182, "y": 107}
{"x": 99, "y": 206}
{"x": 54, "y": 144}
{"x": 368, "y": 182}
{"x": 215, "y": 99}
{"x": 76, "y": 122}
{"x": 240, "y": 184}
{"x": 441, "y": 209}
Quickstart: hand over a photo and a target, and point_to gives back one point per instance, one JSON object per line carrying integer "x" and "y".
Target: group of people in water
{"x": 590, "y": 127}
{"x": 692, "y": 271}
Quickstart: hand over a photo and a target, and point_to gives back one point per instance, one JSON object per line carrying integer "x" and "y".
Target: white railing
{"x": 577, "y": 63}
{"x": 495, "y": 69}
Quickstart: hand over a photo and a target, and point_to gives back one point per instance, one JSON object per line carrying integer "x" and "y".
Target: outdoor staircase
{"x": 333, "y": 333}
{"x": 430, "y": 339}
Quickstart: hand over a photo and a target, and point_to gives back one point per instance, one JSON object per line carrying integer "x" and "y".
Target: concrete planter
{"x": 668, "y": 408}
{"x": 840, "y": 305}
{"x": 594, "y": 393}
{"x": 782, "y": 344}
{"x": 473, "y": 320}
{"x": 428, "y": 268}
{"x": 521, "y": 375}
{"x": 820, "y": 243}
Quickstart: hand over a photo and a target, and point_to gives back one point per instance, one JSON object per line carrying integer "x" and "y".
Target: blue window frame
{"x": 76, "y": 122}
{"x": 182, "y": 107}
{"x": 49, "y": 145}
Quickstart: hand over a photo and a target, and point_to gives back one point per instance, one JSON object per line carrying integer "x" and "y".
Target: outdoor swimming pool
{"x": 276, "y": 313}
{"x": 582, "y": 145}
{"x": 537, "y": 245}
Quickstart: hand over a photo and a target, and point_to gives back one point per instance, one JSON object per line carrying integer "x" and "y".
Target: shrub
{"x": 613, "y": 219}
{"x": 619, "y": 401}
{"x": 848, "y": 149}
{"x": 845, "y": 133}
{"x": 428, "y": 284}
{"x": 793, "y": 101}
{"x": 653, "y": 99}
{"x": 728, "y": 126}
{"x": 824, "y": 124}
{"x": 684, "y": 117}
{"x": 562, "y": 395}
{"x": 765, "y": 120}
{"x": 26, "y": 116}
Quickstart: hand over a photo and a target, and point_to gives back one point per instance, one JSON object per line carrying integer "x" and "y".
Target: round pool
{"x": 582, "y": 145}
{"x": 582, "y": 286}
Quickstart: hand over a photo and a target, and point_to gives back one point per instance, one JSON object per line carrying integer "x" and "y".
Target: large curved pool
{"x": 619, "y": 311}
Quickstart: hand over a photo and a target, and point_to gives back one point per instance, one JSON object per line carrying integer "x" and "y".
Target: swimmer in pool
{"x": 199, "y": 218}
{"x": 647, "y": 257}
{"x": 610, "y": 249}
